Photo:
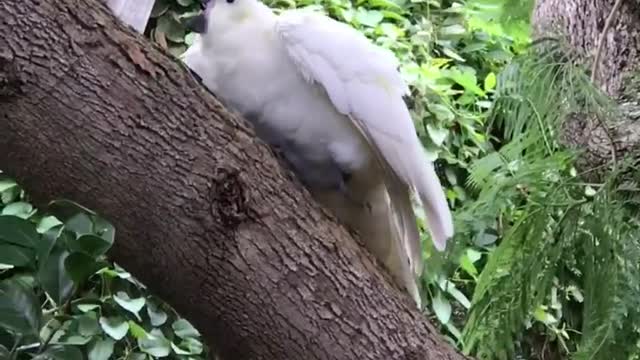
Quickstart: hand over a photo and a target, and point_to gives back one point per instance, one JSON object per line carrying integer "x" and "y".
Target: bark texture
{"x": 205, "y": 215}
{"x": 581, "y": 23}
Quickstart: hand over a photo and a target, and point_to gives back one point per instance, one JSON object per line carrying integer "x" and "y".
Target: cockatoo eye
{"x": 230, "y": 1}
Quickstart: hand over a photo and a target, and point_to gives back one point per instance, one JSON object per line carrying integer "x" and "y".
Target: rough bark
{"x": 581, "y": 23}
{"x": 205, "y": 215}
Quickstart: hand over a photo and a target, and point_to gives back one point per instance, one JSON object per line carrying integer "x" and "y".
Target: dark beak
{"x": 197, "y": 24}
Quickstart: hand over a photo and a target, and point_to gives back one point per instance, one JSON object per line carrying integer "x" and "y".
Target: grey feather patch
{"x": 197, "y": 24}
{"x": 312, "y": 173}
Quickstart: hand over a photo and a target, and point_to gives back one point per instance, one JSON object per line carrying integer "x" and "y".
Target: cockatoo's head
{"x": 221, "y": 17}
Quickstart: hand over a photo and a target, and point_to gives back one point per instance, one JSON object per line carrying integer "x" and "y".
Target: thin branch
{"x": 607, "y": 25}
{"x": 594, "y": 70}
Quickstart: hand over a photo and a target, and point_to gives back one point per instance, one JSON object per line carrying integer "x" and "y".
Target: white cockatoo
{"x": 332, "y": 101}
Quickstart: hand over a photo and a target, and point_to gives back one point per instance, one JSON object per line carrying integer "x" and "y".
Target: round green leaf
{"x": 172, "y": 29}
{"x": 116, "y": 327}
{"x": 369, "y": 18}
{"x": 155, "y": 344}
{"x": 101, "y": 349}
{"x": 437, "y": 134}
{"x": 188, "y": 346}
{"x": 88, "y": 324}
{"x": 490, "y": 81}
{"x": 156, "y": 314}
{"x": 136, "y": 330}
{"x": 47, "y": 223}
{"x": 6, "y": 184}
{"x": 79, "y": 223}
{"x": 184, "y": 329}
{"x": 132, "y": 305}
{"x": 20, "y": 209}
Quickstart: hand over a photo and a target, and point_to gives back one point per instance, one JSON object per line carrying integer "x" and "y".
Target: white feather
{"x": 370, "y": 91}
{"x": 325, "y": 86}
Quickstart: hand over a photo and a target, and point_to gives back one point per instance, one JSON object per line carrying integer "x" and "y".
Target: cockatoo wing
{"x": 362, "y": 82}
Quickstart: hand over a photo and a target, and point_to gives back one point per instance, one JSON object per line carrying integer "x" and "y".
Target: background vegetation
{"x": 544, "y": 264}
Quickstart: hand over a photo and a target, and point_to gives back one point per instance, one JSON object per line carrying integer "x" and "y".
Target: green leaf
{"x": 442, "y": 112}
{"x": 48, "y": 241}
{"x": 155, "y": 344}
{"x": 60, "y": 352}
{"x": 80, "y": 224}
{"x": 87, "y": 307}
{"x": 589, "y": 191}
{"x": 102, "y": 349}
{"x": 369, "y": 18}
{"x": 184, "y": 329}
{"x": 20, "y": 209}
{"x": 81, "y": 266}
{"x": 442, "y": 308}
{"x": 16, "y": 255}
{"x": 105, "y": 229}
{"x": 466, "y": 79}
{"x": 88, "y": 324}
{"x": 452, "y": 54}
{"x": 132, "y": 305}
{"x": 47, "y": 223}
{"x": 455, "y": 29}
{"x": 156, "y": 314}
{"x": 459, "y": 296}
{"x": 437, "y": 134}
{"x": 19, "y": 308}
{"x": 54, "y": 278}
{"x": 136, "y": 330}
{"x": 467, "y": 265}
{"x": 9, "y": 195}
{"x": 137, "y": 356}
{"x": 18, "y": 231}
{"x": 6, "y": 184}
{"x": 543, "y": 316}
{"x": 473, "y": 255}
{"x": 188, "y": 346}
{"x": 116, "y": 327}
{"x": 4, "y": 353}
{"x": 173, "y": 30}
{"x": 90, "y": 244}
{"x": 490, "y": 81}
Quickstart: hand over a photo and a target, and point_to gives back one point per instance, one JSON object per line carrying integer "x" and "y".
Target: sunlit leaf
{"x": 116, "y": 327}
{"x": 184, "y": 329}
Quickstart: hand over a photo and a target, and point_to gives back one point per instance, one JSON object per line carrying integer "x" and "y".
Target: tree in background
{"x": 546, "y": 256}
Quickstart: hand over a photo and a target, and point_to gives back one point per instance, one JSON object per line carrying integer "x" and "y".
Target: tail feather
{"x": 435, "y": 206}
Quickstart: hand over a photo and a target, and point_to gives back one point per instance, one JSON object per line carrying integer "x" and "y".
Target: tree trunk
{"x": 582, "y": 23}
{"x": 205, "y": 215}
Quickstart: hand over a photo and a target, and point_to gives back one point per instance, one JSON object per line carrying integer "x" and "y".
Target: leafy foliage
{"x": 61, "y": 299}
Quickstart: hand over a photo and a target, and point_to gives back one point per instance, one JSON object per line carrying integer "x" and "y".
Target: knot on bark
{"x": 10, "y": 80}
{"x": 228, "y": 198}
